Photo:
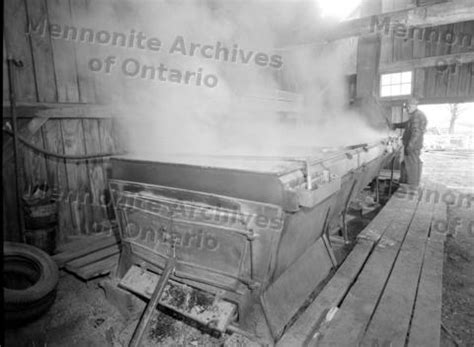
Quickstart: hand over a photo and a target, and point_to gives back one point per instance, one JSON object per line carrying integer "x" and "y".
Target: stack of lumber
{"x": 90, "y": 256}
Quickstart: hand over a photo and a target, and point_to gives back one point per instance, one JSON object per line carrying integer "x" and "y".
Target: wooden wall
{"x": 54, "y": 74}
{"x": 434, "y": 84}
{"x": 79, "y": 186}
{"x": 54, "y": 70}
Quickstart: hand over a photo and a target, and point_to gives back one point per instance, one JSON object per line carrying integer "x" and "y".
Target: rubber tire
{"x": 23, "y": 305}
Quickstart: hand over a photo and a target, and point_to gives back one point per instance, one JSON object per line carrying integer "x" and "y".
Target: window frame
{"x": 400, "y": 84}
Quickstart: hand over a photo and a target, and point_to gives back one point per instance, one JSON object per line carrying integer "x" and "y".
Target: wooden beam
{"x": 58, "y": 110}
{"x": 442, "y": 60}
{"x": 447, "y": 100}
{"x": 424, "y": 16}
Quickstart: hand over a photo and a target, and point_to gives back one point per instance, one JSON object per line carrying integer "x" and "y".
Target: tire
{"x": 25, "y": 302}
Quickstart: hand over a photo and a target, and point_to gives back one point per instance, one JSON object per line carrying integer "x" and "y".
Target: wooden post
{"x": 12, "y": 64}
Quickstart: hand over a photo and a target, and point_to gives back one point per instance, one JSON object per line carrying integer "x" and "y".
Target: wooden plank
{"x": 430, "y": 82}
{"x": 107, "y": 145}
{"x": 450, "y": 28}
{"x": 432, "y": 61}
{"x": 407, "y": 49}
{"x": 106, "y": 135}
{"x": 62, "y": 258}
{"x": 442, "y": 77}
{"x": 41, "y": 50}
{"x": 18, "y": 47}
{"x": 464, "y": 81}
{"x": 80, "y": 10}
{"x": 9, "y": 190}
{"x": 303, "y": 329}
{"x": 57, "y": 177}
{"x": 92, "y": 258}
{"x": 441, "y": 83}
{"x": 11, "y": 232}
{"x": 427, "y": 16}
{"x": 442, "y": 49}
{"x": 467, "y": 28}
{"x": 457, "y": 47}
{"x": 471, "y": 92}
{"x": 439, "y": 222}
{"x": 82, "y": 241}
{"x": 419, "y": 46}
{"x": 426, "y": 323}
{"x": 391, "y": 319}
{"x": 22, "y": 124}
{"x": 356, "y": 310}
{"x": 448, "y": 100}
{"x": 87, "y": 199}
{"x": 397, "y": 49}
{"x": 59, "y": 13}
{"x": 102, "y": 267}
{"x": 95, "y": 169}
{"x": 34, "y": 162}
{"x": 78, "y": 181}
{"x": 61, "y": 111}
{"x": 6, "y": 86}
{"x": 419, "y": 83}
{"x": 375, "y": 229}
{"x": 453, "y": 71}
{"x": 386, "y": 49}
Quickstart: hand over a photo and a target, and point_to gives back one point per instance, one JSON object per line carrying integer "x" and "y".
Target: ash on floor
{"x": 83, "y": 315}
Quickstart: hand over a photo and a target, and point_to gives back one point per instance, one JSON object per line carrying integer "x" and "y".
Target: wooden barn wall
{"x": 397, "y": 5}
{"x": 434, "y": 84}
{"x": 54, "y": 71}
{"x": 79, "y": 186}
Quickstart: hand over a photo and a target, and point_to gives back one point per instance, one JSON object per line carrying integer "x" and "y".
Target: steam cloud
{"x": 254, "y": 109}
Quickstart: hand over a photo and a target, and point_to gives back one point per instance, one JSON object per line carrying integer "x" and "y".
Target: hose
{"x": 77, "y": 157}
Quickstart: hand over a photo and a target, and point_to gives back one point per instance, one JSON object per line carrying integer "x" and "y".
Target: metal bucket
{"x": 41, "y": 220}
{"x": 44, "y": 238}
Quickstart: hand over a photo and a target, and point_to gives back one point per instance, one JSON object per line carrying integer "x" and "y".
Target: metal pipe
{"x": 391, "y": 177}
{"x": 12, "y": 63}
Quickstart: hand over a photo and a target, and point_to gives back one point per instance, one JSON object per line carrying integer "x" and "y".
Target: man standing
{"x": 412, "y": 141}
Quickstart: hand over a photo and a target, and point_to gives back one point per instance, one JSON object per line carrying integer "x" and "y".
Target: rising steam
{"x": 258, "y": 107}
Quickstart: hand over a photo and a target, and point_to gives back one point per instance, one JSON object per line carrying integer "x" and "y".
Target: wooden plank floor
{"x": 388, "y": 290}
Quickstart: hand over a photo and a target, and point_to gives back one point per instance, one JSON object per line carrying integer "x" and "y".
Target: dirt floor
{"x": 84, "y": 314}
{"x": 87, "y": 314}
{"x": 455, "y": 170}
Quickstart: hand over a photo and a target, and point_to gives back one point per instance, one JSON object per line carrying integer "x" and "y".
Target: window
{"x": 395, "y": 84}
